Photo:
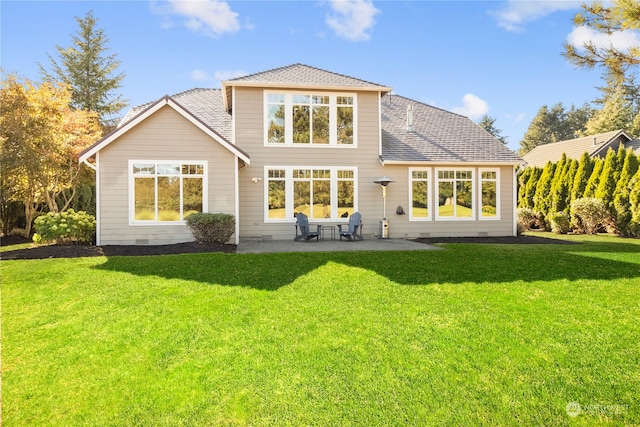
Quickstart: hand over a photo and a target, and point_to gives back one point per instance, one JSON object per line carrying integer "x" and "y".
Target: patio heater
{"x": 383, "y": 230}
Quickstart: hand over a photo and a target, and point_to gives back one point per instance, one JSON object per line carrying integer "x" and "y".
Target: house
{"x": 299, "y": 139}
{"x": 596, "y": 146}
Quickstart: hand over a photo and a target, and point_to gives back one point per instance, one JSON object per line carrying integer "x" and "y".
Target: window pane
{"x": 463, "y": 199}
{"x": 345, "y": 198}
{"x": 145, "y": 199}
{"x": 489, "y": 199}
{"x": 320, "y": 125}
{"x": 302, "y": 173}
{"x": 301, "y": 197}
{"x": 276, "y": 199}
{"x": 301, "y": 124}
{"x": 345, "y": 125}
{"x": 276, "y": 173}
{"x": 321, "y": 100}
{"x": 321, "y": 199}
{"x": 144, "y": 169}
{"x": 345, "y": 100}
{"x": 275, "y": 123}
{"x": 420, "y": 202}
{"x": 169, "y": 169}
{"x": 489, "y": 175}
{"x": 301, "y": 99}
{"x": 168, "y": 198}
{"x": 445, "y": 199}
{"x": 191, "y": 196}
{"x": 275, "y": 98}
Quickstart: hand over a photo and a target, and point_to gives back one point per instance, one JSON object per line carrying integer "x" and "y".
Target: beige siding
{"x": 166, "y": 135}
{"x": 249, "y": 122}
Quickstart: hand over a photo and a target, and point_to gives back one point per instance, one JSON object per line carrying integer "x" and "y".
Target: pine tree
{"x": 488, "y": 123}
{"x": 89, "y": 72}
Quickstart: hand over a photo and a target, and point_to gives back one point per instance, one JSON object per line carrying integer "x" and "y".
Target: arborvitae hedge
{"x": 614, "y": 180}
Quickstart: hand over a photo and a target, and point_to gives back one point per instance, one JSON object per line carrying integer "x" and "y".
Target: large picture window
{"x": 320, "y": 193}
{"x": 454, "y": 193}
{"x": 310, "y": 119}
{"x": 166, "y": 191}
{"x": 420, "y": 194}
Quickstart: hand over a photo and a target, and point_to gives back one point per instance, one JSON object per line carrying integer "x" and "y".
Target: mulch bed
{"x": 76, "y": 251}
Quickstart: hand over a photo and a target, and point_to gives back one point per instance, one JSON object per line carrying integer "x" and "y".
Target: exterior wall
{"x": 399, "y": 194}
{"x": 249, "y": 135}
{"x": 166, "y": 135}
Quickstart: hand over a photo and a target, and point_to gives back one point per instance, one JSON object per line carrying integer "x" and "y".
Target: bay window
{"x": 165, "y": 191}
{"x": 309, "y": 119}
{"x": 319, "y": 192}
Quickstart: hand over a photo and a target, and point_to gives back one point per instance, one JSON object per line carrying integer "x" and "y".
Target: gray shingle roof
{"x": 594, "y": 145}
{"x": 304, "y": 75}
{"x": 437, "y": 136}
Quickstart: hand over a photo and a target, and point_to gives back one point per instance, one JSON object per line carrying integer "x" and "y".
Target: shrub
{"x": 211, "y": 227}
{"x": 589, "y": 214}
{"x": 65, "y": 227}
{"x": 560, "y": 222}
{"x": 527, "y": 219}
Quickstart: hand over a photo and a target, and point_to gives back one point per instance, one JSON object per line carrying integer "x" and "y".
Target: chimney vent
{"x": 410, "y": 118}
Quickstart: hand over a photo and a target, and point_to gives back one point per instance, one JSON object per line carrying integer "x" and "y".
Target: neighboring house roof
{"x": 438, "y": 136}
{"x": 202, "y": 107}
{"x": 594, "y": 145}
{"x": 300, "y": 76}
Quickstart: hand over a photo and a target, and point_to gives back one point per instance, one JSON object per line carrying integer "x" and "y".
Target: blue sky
{"x": 502, "y": 58}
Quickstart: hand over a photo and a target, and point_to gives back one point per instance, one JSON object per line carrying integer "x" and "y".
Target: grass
{"x": 471, "y": 335}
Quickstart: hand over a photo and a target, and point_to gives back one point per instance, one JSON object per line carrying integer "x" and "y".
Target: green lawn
{"x": 471, "y": 335}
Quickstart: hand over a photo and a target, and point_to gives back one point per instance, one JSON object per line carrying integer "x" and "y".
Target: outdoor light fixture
{"x": 384, "y": 224}
{"x": 256, "y": 180}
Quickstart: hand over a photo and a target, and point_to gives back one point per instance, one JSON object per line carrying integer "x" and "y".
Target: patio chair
{"x": 353, "y": 230}
{"x": 305, "y": 231}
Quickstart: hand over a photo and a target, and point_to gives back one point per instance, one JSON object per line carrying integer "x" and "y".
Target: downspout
{"x": 237, "y": 169}
{"x": 515, "y": 201}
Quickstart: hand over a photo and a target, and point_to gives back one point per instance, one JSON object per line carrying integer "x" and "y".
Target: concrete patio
{"x": 269, "y": 246}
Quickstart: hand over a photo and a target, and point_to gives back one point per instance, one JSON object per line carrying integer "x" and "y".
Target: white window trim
{"x": 289, "y": 192}
{"x": 131, "y": 189}
{"x": 429, "y": 216}
{"x": 480, "y": 180}
{"x": 288, "y": 131}
{"x": 474, "y": 197}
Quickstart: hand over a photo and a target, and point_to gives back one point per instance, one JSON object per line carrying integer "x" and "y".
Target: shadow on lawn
{"x": 474, "y": 263}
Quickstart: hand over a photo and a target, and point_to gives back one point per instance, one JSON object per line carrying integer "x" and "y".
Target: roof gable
{"x": 300, "y": 76}
{"x": 133, "y": 119}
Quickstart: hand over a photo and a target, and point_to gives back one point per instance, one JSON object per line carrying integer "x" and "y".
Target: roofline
{"x": 607, "y": 143}
{"x": 144, "y": 114}
{"x": 449, "y": 162}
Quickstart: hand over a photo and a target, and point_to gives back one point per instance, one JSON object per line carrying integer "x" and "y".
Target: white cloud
{"x": 515, "y": 13}
{"x": 201, "y": 75}
{"x": 620, "y": 40}
{"x": 352, "y": 19}
{"x": 210, "y": 17}
{"x": 472, "y": 107}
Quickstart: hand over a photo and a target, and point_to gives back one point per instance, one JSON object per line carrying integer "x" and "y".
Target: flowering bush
{"x": 65, "y": 227}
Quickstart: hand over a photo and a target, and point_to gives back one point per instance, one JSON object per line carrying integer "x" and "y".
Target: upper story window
{"x": 310, "y": 119}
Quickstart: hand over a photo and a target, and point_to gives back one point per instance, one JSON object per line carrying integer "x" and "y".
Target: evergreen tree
{"x": 553, "y": 125}
{"x": 622, "y": 192}
{"x": 617, "y": 113}
{"x": 594, "y": 179}
{"x": 607, "y": 184}
{"x": 557, "y": 199}
{"x": 585, "y": 167}
{"x": 541, "y": 200}
{"x": 634, "y": 205}
{"x": 91, "y": 74}
{"x": 488, "y": 123}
